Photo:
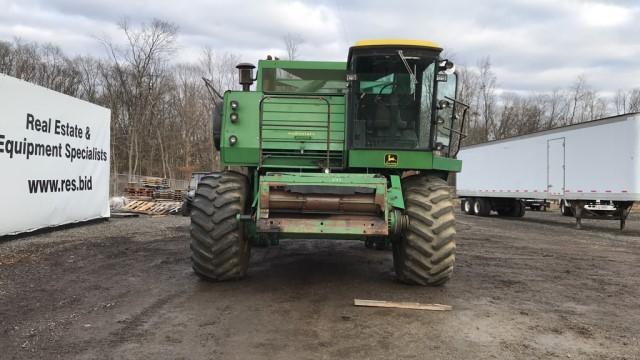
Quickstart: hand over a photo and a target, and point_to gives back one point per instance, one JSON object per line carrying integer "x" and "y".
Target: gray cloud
{"x": 534, "y": 45}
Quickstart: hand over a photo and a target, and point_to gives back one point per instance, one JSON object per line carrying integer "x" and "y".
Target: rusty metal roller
{"x": 283, "y": 201}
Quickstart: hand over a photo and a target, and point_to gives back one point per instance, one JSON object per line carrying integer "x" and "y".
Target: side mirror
{"x": 446, "y": 66}
{"x": 443, "y": 104}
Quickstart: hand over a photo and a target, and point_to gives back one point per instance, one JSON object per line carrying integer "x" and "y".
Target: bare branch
{"x": 292, "y": 44}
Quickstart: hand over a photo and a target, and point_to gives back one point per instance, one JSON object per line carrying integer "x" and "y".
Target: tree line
{"x": 495, "y": 115}
{"x": 161, "y": 110}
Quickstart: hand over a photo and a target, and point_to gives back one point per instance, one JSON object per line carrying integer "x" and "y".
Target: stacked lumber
{"x": 138, "y": 192}
{"x": 175, "y": 195}
{"x": 153, "y": 196}
{"x": 153, "y": 207}
{"x": 155, "y": 182}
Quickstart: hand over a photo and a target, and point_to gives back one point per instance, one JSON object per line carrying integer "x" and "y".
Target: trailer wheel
{"x": 468, "y": 206}
{"x": 482, "y": 207}
{"x": 504, "y": 211}
{"x": 219, "y": 248}
{"x": 564, "y": 209}
{"x": 518, "y": 209}
{"x": 425, "y": 253}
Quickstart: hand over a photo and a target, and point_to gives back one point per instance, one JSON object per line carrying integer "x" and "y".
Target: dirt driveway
{"x": 527, "y": 288}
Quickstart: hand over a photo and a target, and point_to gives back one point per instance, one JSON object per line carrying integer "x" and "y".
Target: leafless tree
{"x": 7, "y": 57}
{"x": 627, "y": 101}
{"x": 634, "y": 101}
{"x": 292, "y": 44}
{"x": 140, "y": 70}
{"x": 578, "y": 90}
{"x": 620, "y": 101}
{"x": 555, "y": 105}
{"x": 468, "y": 93}
{"x": 487, "y": 83}
{"x": 220, "y": 69}
{"x": 90, "y": 79}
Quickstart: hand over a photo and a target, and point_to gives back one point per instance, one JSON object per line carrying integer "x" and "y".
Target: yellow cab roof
{"x": 397, "y": 42}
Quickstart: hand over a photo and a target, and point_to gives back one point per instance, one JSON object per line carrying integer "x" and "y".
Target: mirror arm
{"x": 212, "y": 91}
{"x": 458, "y": 102}
{"x": 462, "y": 135}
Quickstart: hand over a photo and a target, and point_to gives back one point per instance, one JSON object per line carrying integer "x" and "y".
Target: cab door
{"x": 445, "y": 110}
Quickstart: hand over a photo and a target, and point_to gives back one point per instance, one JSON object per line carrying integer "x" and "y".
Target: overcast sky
{"x": 534, "y": 45}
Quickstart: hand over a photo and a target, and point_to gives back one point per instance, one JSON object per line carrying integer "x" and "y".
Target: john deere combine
{"x": 357, "y": 150}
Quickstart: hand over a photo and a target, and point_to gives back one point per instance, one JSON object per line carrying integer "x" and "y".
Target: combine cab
{"x": 358, "y": 150}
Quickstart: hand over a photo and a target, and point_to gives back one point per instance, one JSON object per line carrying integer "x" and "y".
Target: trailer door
{"x": 555, "y": 167}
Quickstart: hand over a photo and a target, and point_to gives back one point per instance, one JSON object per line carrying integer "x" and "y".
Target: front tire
{"x": 425, "y": 253}
{"x": 220, "y": 249}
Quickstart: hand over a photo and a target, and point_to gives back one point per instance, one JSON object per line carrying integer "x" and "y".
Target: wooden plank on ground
{"x": 146, "y": 206}
{"x": 152, "y": 207}
{"x": 123, "y": 214}
{"x": 134, "y": 204}
{"x": 401, "y": 305}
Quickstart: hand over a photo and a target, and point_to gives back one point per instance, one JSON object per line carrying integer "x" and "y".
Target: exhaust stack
{"x": 245, "y": 75}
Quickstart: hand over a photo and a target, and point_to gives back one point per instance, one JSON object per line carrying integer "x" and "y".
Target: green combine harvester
{"x": 358, "y": 150}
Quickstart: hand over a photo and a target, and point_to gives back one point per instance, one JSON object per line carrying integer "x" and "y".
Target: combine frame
{"x": 358, "y": 150}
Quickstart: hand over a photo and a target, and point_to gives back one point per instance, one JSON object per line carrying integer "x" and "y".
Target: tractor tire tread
{"x": 219, "y": 251}
{"x": 425, "y": 255}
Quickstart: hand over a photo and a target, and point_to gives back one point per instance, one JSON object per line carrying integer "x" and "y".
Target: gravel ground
{"x": 528, "y": 288}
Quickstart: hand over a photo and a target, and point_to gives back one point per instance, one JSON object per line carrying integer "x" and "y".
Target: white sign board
{"x": 54, "y": 158}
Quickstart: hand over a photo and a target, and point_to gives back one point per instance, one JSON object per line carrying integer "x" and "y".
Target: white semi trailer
{"x": 592, "y": 169}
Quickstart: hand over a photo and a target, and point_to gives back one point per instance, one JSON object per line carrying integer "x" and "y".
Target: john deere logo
{"x": 390, "y": 159}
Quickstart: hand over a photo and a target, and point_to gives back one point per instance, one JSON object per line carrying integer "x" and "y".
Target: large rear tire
{"x": 220, "y": 249}
{"x": 425, "y": 253}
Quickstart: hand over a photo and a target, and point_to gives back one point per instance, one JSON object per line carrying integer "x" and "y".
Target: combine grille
{"x": 302, "y": 131}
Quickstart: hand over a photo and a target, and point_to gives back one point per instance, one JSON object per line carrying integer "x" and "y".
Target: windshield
{"x": 303, "y": 81}
{"x": 393, "y": 96}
